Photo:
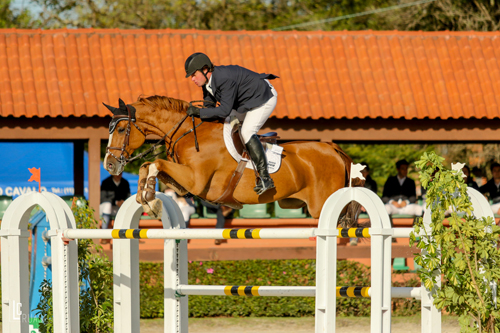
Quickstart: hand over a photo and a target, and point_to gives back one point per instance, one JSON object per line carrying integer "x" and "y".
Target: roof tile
{"x": 335, "y": 74}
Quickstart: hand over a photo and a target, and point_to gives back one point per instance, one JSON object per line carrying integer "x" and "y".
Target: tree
{"x": 382, "y": 158}
{"x": 11, "y": 18}
{"x": 464, "y": 252}
{"x": 210, "y": 14}
{"x": 453, "y": 15}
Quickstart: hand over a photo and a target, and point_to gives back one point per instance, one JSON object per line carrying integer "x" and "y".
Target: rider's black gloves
{"x": 193, "y": 111}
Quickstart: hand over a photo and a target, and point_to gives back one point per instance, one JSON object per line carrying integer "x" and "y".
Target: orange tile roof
{"x": 340, "y": 74}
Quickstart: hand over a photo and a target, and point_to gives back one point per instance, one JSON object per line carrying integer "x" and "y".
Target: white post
{"x": 326, "y": 262}
{"x": 65, "y": 286}
{"x": 175, "y": 269}
{"x": 431, "y": 316}
{"x": 15, "y": 280}
{"x": 381, "y": 250}
{"x": 126, "y": 294}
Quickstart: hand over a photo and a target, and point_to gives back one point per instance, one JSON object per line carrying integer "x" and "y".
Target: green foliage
{"x": 10, "y": 18}
{"x": 262, "y": 273}
{"x": 95, "y": 279}
{"x": 213, "y": 14}
{"x": 453, "y": 15}
{"x": 465, "y": 253}
{"x": 382, "y": 158}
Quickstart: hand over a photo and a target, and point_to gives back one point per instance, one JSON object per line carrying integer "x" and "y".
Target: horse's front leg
{"x": 176, "y": 175}
{"x": 143, "y": 176}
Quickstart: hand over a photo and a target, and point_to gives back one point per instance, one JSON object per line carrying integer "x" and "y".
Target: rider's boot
{"x": 258, "y": 155}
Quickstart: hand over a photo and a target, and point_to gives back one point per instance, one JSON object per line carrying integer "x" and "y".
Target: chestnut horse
{"x": 310, "y": 171}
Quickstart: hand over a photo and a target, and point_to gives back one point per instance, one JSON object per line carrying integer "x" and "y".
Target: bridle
{"x": 125, "y": 158}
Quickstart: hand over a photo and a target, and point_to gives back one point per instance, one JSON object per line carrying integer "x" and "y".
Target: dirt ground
{"x": 296, "y": 325}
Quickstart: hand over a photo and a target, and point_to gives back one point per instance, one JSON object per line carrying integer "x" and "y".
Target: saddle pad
{"x": 273, "y": 152}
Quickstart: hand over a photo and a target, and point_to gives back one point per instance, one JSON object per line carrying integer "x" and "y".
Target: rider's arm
{"x": 228, "y": 91}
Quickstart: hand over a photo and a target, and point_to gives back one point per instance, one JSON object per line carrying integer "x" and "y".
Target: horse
{"x": 199, "y": 163}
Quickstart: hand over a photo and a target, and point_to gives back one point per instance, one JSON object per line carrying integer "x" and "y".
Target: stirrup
{"x": 262, "y": 187}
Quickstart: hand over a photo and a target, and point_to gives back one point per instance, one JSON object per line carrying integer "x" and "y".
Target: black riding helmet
{"x": 195, "y": 62}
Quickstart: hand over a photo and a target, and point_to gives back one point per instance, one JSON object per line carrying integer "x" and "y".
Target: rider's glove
{"x": 193, "y": 111}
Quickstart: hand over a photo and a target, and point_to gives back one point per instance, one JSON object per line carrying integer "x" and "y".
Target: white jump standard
{"x": 126, "y": 237}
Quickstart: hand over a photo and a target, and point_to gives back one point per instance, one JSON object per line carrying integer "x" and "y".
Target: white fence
{"x": 15, "y": 283}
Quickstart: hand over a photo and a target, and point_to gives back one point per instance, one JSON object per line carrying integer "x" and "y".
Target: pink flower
{"x": 201, "y": 263}
{"x": 190, "y": 261}
{"x": 284, "y": 272}
{"x": 210, "y": 270}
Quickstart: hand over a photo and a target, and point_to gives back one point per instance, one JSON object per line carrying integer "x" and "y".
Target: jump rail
{"x": 63, "y": 235}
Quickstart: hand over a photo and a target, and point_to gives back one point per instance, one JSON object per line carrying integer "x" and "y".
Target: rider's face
{"x": 199, "y": 79}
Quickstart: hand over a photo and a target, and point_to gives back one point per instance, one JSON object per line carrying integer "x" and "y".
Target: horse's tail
{"x": 351, "y": 212}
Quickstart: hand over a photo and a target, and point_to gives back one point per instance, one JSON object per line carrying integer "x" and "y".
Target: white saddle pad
{"x": 273, "y": 152}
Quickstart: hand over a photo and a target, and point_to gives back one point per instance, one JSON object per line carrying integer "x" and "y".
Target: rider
{"x": 241, "y": 92}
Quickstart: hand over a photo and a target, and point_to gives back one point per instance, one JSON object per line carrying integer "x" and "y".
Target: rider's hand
{"x": 193, "y": 111}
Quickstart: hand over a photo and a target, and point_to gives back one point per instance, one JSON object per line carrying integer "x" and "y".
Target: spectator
{"x": 114, "y": 191}
{"x": 369, "y": 184}
{"x": 223, "y": 213}
{"x": 185, "y": 204}
{"x": 400, "y": 194}
{"x": 492, "y": 187}
{"x": 469, "y": 180}
{"x": 479, "y": 175}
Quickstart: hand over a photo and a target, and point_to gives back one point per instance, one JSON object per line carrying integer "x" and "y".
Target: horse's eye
{"x": 121, "y": 130}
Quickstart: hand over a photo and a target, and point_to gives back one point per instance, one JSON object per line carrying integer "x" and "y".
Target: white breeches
{"x": 254, "y": 119}
{"x": 411, "y": 209}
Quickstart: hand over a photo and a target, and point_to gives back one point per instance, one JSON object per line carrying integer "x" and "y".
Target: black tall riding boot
{"x": 258, "y": 155}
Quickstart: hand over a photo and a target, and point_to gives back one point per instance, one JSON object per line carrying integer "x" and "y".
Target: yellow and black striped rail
{"x": 354, "y": 232}
{"x": 237, "y": 233}
{"x": 226, "y": 233}
{"x": 241, "y": 233}
{"x": 353, "y": 292}
{"x": 129, "y": 233}
{"x": 350, "y": 292}
{"x": 241, "y": 290}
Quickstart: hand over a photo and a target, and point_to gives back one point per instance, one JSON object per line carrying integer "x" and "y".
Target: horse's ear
{"x": 112, "y": 108}
{"x": 122, "y": 104}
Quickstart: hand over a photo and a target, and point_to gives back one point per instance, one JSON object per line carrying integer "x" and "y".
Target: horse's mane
{"x": 163, "y": 102}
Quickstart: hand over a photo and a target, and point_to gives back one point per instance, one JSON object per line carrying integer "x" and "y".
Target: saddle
{"x": 270, "y": 137}
{"x": 227, "y": 198}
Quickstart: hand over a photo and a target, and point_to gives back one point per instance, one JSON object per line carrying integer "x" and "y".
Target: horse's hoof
{"x": 155, "y": 207}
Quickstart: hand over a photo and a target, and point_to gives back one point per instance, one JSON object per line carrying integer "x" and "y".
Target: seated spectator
{"x": 114, "y": 191}
{"x": 400, "y": 194}
{"x": 185, "y": 204}
{"x": 492, "y": 187}
{"x": 469, "y": 180}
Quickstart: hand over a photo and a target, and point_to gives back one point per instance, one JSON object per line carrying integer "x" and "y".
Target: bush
{"x": 262, "y": 273}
